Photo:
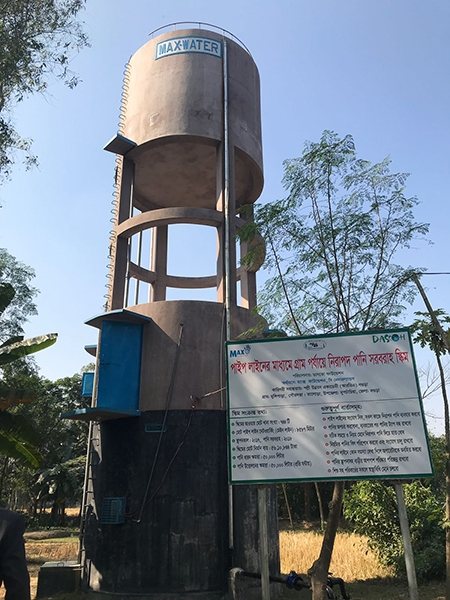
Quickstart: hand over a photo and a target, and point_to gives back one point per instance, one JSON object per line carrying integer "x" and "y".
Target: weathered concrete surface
{"x": 173, "y": 110}
{"x": 175, "y": 535}
{"x": 174, "y": 538}
{"x": 199, "y": 368}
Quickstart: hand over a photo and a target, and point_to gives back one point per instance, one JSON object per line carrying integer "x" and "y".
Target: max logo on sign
{"x": 182, "y": 45}
{"x": 245, "y": 350}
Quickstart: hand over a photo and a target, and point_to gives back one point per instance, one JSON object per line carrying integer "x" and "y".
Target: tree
{"x": 371, "y": 508}
{"x": 18, "y": 437}
{"x": 61, "y": 446}
{"x": 38, "y": 38}
{"x": 16, "y": 295}
{"x": 333, "y": 242}
{"x": 428, "y": 330}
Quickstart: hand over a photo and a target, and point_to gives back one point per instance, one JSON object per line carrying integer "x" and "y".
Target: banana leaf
{"x": 19, "y": 439}
{"x": 25, "y": 347}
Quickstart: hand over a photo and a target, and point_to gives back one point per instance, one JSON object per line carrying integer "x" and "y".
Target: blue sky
{"x": 378, "y": 69}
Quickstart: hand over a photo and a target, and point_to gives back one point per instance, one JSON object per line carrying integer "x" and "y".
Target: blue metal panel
{"x": 119, "y": 366}
{"x": 87, "y": 385}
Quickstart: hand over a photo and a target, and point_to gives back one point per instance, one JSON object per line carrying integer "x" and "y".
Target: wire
{"x": 178, "y": 448}
{"x": 221, "y": 389}
{"x": 163, "y": 426}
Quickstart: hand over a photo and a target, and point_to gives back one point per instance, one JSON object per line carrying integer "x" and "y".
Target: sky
{"x": 377, "y": 69}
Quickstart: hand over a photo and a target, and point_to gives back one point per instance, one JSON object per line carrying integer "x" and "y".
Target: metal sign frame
{"x": 330, "y": 407}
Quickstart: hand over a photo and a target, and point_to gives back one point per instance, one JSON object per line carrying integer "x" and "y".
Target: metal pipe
{"x": 84, "y": 497}
{"x": 127, "y": 282}
{"x": 226, "y": 210}
{"x": 407, "y": 546}
{"x": 263, "y": 542}
{"x": 226, "y": 192}
{"x": 139, "y": 258}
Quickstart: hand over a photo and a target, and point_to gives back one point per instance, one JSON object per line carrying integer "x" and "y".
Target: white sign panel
{"x": 332, "y": 407}
{"x": 181, "y": 45}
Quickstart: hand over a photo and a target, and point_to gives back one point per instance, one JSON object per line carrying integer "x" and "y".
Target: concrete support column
{"x": 248, "y": 278}
{"x": 220, "y": 206}
{"x": 248, "y": 284}
{"x": 122, "y": 244}
{"x": 159, "y": 262}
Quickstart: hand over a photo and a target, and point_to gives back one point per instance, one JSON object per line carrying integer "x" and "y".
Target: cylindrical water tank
{"x": 173, "y": 110}
{"x": 167, "y": 466}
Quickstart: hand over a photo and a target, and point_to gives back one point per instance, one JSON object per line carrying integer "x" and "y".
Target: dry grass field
{"x": 352, "y": 560}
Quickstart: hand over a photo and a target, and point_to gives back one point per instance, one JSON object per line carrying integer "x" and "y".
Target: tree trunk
{"x": 319, "y": 570}
{"x": 286, "y": 499}
{"x": 447, "y": 476}
{"x": 307, "y": 502}
{"x": 320, "y": 503}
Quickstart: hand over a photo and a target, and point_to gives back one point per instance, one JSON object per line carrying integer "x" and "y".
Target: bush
{"x": 371, "y": 508}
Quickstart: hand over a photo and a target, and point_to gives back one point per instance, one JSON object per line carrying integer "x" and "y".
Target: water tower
{"x": 160, "y": 519}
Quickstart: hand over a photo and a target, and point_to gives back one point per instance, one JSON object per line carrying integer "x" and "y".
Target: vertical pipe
{"x": 129, "y": 248}
{"x": 87, "y": 467}
{"x": 263, "y": 542}
{"x": 406, "y": 535}
{"x": 139, "y": 259}
{"x": 226, "y": 194}
{"x": 84, "y": 497}
{"x": 226, "y": 209}
{"x": 127, "y": 279}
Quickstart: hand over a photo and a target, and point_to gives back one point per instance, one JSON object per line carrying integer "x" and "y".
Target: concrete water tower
{"x": 159, "y": 517}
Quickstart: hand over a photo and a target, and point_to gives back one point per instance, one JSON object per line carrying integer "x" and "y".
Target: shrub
{"x": 372, "y": 510}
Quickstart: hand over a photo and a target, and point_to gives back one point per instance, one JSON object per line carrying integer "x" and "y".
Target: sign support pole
{"x": 406, "y": 535}
{"x": 263, "y": 542}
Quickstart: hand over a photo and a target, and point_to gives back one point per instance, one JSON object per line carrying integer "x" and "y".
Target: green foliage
{"x": 333, "y": 241}
{"x": 425, "y": 332}
{"x": 61, "y": 445}
{"x": 16, "y": 295}
{"x": 38, "y": 38}
{"x": 372, "y": 510}
{"x": 438, "y": 455}
{"x": 18, "y": 438}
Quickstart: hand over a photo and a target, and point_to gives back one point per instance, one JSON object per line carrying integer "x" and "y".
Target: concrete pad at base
{"x": 160, "y": 596}
{"x": 58, "y": 577}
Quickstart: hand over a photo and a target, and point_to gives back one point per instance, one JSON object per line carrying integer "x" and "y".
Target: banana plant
{"x": 18, "y": 437}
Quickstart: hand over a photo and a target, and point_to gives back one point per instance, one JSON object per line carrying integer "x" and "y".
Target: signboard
{"x": 181, "y": 45}
{"x": 331, "y": 407}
